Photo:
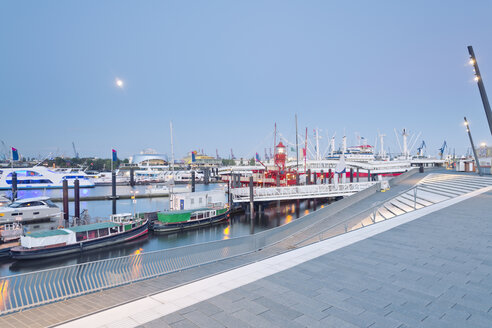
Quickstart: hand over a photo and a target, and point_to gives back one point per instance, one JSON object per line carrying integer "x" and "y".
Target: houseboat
{"x": 174, "y": 221}
{"x": 9, "y": 237}
{"x": 120, "y": 228}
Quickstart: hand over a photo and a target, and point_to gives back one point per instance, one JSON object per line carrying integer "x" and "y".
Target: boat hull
{"x": 164, "y": 228}
{"x": 21, "y": 253}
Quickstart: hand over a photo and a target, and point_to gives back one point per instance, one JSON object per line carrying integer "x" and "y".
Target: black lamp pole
{"x": 481, "y": 87}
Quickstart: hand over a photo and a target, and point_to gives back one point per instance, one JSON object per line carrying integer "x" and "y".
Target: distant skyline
{"x": 226, "y": 71}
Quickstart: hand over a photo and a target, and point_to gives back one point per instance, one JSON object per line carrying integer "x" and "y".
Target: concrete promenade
{"x": 428, "y": 268}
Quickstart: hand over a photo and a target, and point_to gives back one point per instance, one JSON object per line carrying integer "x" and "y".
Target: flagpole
{"x": 297, "y": 149}
{"x": 172, "y": 145}
{"x": 11, "y": 157}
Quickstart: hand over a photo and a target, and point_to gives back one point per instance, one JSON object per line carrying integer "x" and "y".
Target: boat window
{"x": 214, "y": 213}
{"x": 15, "y": 214}
{"x": 30, "y": 181}
{"x": 80, "y": 236}
{"x": 113, "y": 230}
{"x": 103, "y": 232}
{"x": 133, "y": 225}
{"x": 200, "y": 216}
{"x": 193, "y": 216}
{"x": 92, "y": 234}
{"x": 31, "y": 204}
{"x": 15, "y": 205}
{"x": 50, "y": 203}
{"x": 25, "y": 173}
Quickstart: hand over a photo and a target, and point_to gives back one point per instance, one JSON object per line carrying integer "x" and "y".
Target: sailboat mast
{"x": 172, "y": 145}
{"x": 297, "y": 148}
{"x": 305, "y": 152}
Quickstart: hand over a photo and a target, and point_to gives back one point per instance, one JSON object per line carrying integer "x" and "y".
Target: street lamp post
{"x": 473, "y": 146}
{"x": 481, "y": 87}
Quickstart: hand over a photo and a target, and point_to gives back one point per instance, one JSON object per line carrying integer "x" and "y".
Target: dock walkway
{"x": 434, "y": 271}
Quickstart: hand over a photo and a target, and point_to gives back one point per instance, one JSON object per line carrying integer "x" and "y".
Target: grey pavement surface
{"x": 59, "y": 312}
{"x": 435, "y": 271}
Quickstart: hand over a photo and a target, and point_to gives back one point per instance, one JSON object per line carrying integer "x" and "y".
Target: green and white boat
{"x": 174, "y": 221}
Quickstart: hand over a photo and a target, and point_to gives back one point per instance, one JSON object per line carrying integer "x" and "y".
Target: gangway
{"x": 241, "y": 195}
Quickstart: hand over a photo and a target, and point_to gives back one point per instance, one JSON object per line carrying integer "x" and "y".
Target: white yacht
{"x": 106, "y": 179}
{"x": 40, "y": 177}
{"x": 29, "y": 209}
{"x": 166, "y": 190}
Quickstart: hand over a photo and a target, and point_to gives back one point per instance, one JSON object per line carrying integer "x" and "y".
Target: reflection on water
{"x": 227, "y": 232}
{"x": 4, "y": 293}
{"x": 238, "y": 225}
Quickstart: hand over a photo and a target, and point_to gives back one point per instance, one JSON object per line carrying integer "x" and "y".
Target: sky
{"x": 224, "y": 72}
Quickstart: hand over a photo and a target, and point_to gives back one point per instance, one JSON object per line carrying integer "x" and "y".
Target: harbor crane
{"x": 420, "y": 149}
{"x": 232, "y": 155}
{"x": 441, "y": 150}
{"x": 75, "y": 150}
{"x": 5, "y": 151}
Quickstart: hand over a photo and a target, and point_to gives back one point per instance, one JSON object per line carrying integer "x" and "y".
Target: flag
{"x": 304, "y": 152}
{"x": 193, "y": 156}
{"x": 15, "y": 154}
{"x": 340, "y": 168}
{"x": 115, "y": 155}
{"x": 257, "y": 157}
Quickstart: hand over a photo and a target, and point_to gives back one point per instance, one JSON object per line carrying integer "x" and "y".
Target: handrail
{"x": 21, "y": 291}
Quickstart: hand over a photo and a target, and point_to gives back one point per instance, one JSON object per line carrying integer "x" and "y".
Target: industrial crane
{"x": 421, "y": 148}
{"x": 441, "y": 150}
{"x": 5, "y": 151}
{"x": 75, "y": 150}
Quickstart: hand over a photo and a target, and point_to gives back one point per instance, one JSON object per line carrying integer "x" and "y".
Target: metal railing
{"x": 373, "y": 215}
{"x": 300, "y": 192}
{"x": 35, "y": 288}
{"x": 26, "y": 290}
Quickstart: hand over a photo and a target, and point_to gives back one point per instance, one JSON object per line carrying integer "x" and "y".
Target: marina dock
{"x": 108, "y": 197}
{"x": 427, "y": 267}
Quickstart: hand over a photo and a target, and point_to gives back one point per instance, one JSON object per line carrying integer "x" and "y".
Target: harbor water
{"x": 238, "y": 225}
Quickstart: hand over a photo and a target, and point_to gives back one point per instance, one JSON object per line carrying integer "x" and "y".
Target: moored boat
{"x": 173, "y": 221}
{"x": 40, "y": 177}
{"x": 120, "y": 228}
{"x": 9, "y": 237}
{"x": 29, "y": 210}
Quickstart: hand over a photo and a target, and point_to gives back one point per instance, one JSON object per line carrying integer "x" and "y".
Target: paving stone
{"x": 254, "y": 320}
{"x": 229, "y": 321}
{"x": 332, "y": 321}
{"x": 202, "y": 320}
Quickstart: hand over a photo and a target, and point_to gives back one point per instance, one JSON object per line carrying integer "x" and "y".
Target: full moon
{"x": 119, "y": 83}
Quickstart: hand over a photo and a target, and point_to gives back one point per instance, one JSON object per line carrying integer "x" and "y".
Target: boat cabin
{"x": 118, "y": 223}
{"x": 196, "y": 200}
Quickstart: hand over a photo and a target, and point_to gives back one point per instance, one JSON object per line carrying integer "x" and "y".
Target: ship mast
{"x": 405, "y": 146}
{"x": 172, "y": 145}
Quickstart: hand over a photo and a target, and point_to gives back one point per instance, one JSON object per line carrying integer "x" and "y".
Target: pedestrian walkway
{"x": 426, "y": 268}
